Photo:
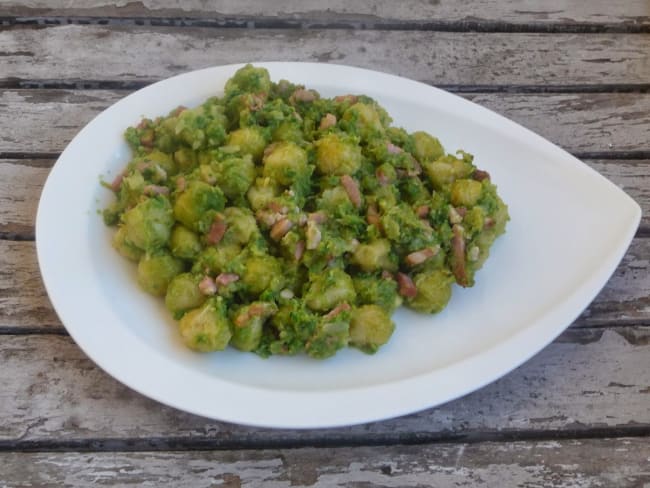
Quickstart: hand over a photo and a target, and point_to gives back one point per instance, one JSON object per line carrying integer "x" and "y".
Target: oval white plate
{"x": 570, "y": 227}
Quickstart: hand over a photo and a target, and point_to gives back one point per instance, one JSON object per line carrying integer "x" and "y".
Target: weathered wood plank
{"x": 579, "y": 122}
{"x": 443, "y": 58}
{"x": 336, "y": 11}
{"x": 586, "y": 379}
{"x": 24, "y": 303}
{"x": 21, "y": 182}
{"x": 567, "y": 463}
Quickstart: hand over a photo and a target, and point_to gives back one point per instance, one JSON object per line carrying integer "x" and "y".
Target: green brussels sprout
{"x": 262, "y": 192}
{"x": 446, "y": 169}
{"x": 262, "y": 273}
{"x": 374, "y": 256}
{"x": 337, "y": 156}
{"x": 249, "y": 79}
{"x": 377, "y": 290}
{"x": 370, "y": 328}
{"x": 206, "y": 328}
{"x": 184, "y": 243}
{"x": 249, "y": 321}
{"x": 330, "y": 288}
{"x": 241, "y": 225}
{"x": 155, "y": 272}
{"x": 215, "y": 260}
{"x": 434, "y": 291}
{"x": 186, "y": 159}
{"x": 427, "y": 147}
{"x": 148, "y": 225}
{"x": 285, "y": 163}
{"x": 363, "y": 119}
{"x": 193, "y": 205}
{"x": 183, "y": 294}
{"x": 165, "y": 161}
{"x": 250, "y": 140}
{"x": 289, "y": 130}
{"x": 330, "y": 336}
{"x": 465, "y": 193}
{"x": 124, "y": 247}
{"x": 235, "y": 176}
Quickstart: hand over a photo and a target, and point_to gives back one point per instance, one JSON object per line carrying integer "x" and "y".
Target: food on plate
{"x": 277, "y": 221}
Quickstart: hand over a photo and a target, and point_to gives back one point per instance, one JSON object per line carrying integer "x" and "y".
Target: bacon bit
{"x": 406, "y": 286}
{"x": 352, "y": 189}
{"x": 454, "y": 216}
{"x": 327, "y": 121}
{"x": 317, "y": 217}
{"x": 313, "y": 235}
{"x": 117, "y": 182}
{"x": 302, "y": 95}
{"x": 256, "y": 101}
{"x": 178, "y": 110}
{"x": 144, "y": 124}
{"x": 280, "y": 228}
{"x": 381, "y": 176}
{"x": 255, "y": 310}
{"x": 267, "y": 218}
{"x": 180, "y": 183}
{"x": 458, "y": 255}
{"x": 208, "y": 286}
{"x": 277, "y": 207}
{"x": 346, "y": 98}
{"x": 341, "y": 307}
{"x": 418, "y": 257}
{"x": 155, "y": 190}
{"x": 224, "y": 279}
{"x": 462, "y": 211}
{"x": 488, "y": 223}
{"x": 146, "y": 139}
{"x": 217, "y": 230}
{"x": 387, "y": 275}
{"x": 299, "y": 251}
{"x": 480, "y": 175}
{"x": 372, "y": 215}
{"x": 422, "y": 211}
{"x": 393, "y": 149}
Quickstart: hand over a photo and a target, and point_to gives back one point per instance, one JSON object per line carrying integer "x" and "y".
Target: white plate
{"x": 570, "y": 227}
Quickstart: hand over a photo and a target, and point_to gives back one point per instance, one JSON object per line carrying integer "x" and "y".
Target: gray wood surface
{"x": 582, "y": 123}
{"x": 147, "y": 53}
{"x": 633, "y": 12}
{"x": 594, "y": 463}
{"x": 588, "y": 379}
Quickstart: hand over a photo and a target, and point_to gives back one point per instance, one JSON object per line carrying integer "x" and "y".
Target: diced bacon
{"x": 155, "y": 190}
{"x": 422, "y": 211}
{"x": 302, "y": 95}
{"x": 381, "y": 176}
{"x": 224, "y": 279}
{"x": 418, "y": 257}
{"x": 488, "y": 223}
{"x": 480, "y": 175}
{"x": 217, "y": 230}
{"x": 277, "y": 207}
{"x": 180, "y": 183}
{"x": 299, "y": 251}
{"x": 117, "y": 182}
{"x": 352, "y": 189}
{"x": 255, "y": 310}
{"x": 462, "y": 211}
{"x": 406, "y": 286}
{"x": 341, "y": 307}
{"x": 280, "y": 228}
{"x": 458, "y": 254}
{"x": 144, "y": 123}
{"x": 317, "y": 217}
{"x": 327, "y": 121}
{"x": 346, "y": 98}
{"x": 146, "y": 139}
{"x": 393, "y": 149}
{"x": 387, "y": 275}
{"x": 207, "y": 286}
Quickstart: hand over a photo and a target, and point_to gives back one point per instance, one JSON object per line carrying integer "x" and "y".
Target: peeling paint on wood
{"x": 442, "y": 58}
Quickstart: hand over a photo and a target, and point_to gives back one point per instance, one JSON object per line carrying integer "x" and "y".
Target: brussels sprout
{"x": 192, "y": 206}
{"x": 124, "y": 247}
{"x": 328, "y": 289}
{"x": 363, "y": 119}
{"x": 183, "y": 294}
{"x": 235, "y": 176}
{"x": 446, "y": 169}
{"x": 374, "y": 256}
{"x": 377, "y": 290}
{"x": 250, "y": 140}
{"x": 427, "y": 147}
{"x": 337, "y": 156}
{"x": 249, "y": 79}
{"x": 165, "y": 161}
{"x": 289, "y": 130}
{"x": 370, "y": 328}
{"x": 215, "y": 260}
{"x": 184, "y": 243}
{"x": 186, "y": 159}
{"x": 241, "y": 225}
{"x": 148, "y": 225}
{"x": 465, "y": 193}
{"x": 434, "y": 291}
{"x": 262, "y": 192}
{"x": 262, "y": 273}
{"x": 330, "y": 336}
{"x": 285, "y": 163}
{"x": 206, "y": 328}
{"x": 249, "y": 321}
{"x": 155, "y": 272}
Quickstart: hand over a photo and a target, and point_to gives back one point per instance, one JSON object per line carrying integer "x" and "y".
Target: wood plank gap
{"x": 404, "y": 439}
{"x": 306, "y": 23}
{"x": 36, "y": 330}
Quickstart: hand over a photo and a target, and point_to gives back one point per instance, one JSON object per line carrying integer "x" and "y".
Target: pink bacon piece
{"x": 280, "y": 229}
{"x": 352, "y": 189}
{"x": 406, "y": 286}
{"x": 208, "y": 286}
{"x": 418, "y": 257}
{"x": 224, "y": 279}
{"x": 327, "y": 121}
{"x": 341, "y": 307}
{"x": 217, "y": 230}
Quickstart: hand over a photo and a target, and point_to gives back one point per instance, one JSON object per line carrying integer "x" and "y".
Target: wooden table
{"x": 577, "y": 414}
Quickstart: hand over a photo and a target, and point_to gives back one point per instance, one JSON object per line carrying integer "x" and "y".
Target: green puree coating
{"x": 277, "y": 221}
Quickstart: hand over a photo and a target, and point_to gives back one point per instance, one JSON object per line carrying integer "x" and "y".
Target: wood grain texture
{"x": 21, "y": 183}
{"x": 52, "y": 394}
{"x": 442, "y": 58}
{"x": 572, "y": 463}
{"x": 516, "y": 11}
{"x": 580, "y": 122}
